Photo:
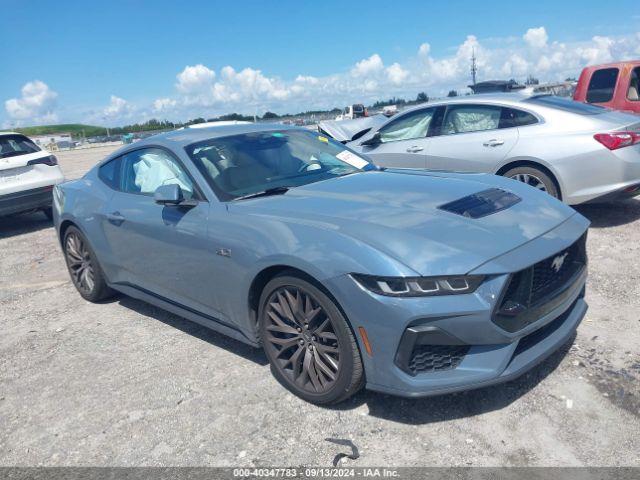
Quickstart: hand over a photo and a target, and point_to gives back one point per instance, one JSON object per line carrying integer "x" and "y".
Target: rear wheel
{"x": 308, "y": 342}
{"x": 535, "y": 178}
{"x": 84, "y": 269}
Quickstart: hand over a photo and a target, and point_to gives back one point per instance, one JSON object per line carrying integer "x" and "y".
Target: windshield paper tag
{"x": 352, "y": 159}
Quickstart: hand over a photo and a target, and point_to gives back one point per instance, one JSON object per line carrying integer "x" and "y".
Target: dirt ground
{"x": 124, "y": 383}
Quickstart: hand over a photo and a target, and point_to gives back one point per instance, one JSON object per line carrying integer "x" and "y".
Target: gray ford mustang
{"x": 406, "y": 282}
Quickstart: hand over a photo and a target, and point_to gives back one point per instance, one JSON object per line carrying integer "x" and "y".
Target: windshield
{"x": 13, "y": 145}
{"x": 241, "y": 165}
{"x": 566, "y": 105}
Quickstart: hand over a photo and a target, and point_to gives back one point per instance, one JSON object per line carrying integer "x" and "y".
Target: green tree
{"x": 422, "y": 97}
{"x": 270, "y": 115}
{"x": 452, "y": 93}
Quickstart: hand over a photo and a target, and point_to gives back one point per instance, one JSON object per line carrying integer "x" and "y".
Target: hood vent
{"x": 482, "y": 203}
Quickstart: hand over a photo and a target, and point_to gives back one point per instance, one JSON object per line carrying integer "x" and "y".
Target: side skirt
{"x": 183, "y": 311}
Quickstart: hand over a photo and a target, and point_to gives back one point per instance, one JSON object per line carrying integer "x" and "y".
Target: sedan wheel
{"x": 531, "y": 180}
{"x": 535, "y": 178}
{"x": 309, "y": 344}
{"x": 84, "y": 269}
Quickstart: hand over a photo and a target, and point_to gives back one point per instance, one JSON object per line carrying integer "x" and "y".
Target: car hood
{"x": 345, "y": 130}
{"x": 397, "y": 213}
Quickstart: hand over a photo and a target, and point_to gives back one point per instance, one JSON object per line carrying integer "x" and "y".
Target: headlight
{"x": 419, "y": 286}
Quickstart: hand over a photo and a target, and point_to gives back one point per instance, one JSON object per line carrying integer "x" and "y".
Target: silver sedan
{"x": 573, "y": 151}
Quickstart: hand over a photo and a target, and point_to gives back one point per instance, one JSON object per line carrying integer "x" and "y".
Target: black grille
{"x": 435, "y": 358}
{"x": 482, "y": 203}
{"x": 532, "y": 287}
{"x": 537, "y": 336}
{"x": 547, "y": 277}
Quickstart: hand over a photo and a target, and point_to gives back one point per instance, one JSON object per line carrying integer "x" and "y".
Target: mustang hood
{"x": 398, "y": 213}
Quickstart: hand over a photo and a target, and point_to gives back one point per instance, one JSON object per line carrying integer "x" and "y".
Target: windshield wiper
{"x": 265, "y": 193}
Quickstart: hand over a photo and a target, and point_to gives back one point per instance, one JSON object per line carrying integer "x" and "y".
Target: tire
{"x": 48, "y": 212}
{"x": 84, "y": 269}
{"x": 535, "y": 178}
{"x": 327, "y": 350}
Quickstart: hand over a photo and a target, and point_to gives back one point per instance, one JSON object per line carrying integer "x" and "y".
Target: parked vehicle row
{"x": 347, "y": 274}
{"x": 27, "y": 175}
{"x": 573, "y": 151}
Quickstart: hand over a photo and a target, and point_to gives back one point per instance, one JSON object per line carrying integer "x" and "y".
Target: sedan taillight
{"x": 615, "y": 140}
{"x": 51, "y": 160}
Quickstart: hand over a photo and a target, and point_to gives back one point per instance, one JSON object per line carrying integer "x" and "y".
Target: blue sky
{"x": 84, "y": 55}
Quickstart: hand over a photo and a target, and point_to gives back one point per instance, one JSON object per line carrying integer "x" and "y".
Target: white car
{"x": 27, "y": 175}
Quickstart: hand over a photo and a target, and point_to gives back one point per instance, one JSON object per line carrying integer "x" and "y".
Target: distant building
{"x": 493, "y": 86}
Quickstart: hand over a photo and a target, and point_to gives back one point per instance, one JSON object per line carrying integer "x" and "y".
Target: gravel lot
{"x": 124, "y": 383}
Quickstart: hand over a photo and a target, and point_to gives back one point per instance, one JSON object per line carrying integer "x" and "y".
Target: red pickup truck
{"x": 614, "y": 85}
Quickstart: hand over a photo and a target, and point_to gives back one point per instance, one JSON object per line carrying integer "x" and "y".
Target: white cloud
{"x": 196, "y": 78}
{"x": 164, "y": 104}
{"x": 536, "y": 37}
{"x": 249, "y": 89}
{"x": 118, "y": 108}
{"x": 368, "y": 66}
{"x": 397, "y": 74}
{"x": 36, "y": 104}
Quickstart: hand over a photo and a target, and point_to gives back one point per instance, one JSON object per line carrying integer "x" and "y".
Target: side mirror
{"x": 172, "y": 195}
{"x": 375, "y": 140}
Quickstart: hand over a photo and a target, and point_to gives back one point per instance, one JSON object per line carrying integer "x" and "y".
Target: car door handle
{"x": 493, "y": 143}
{"x": 115, "y": 218}
{"x": 414, "y": 149}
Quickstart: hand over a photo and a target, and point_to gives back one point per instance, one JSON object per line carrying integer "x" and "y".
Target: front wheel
{"x": 535, "y": 178}
{"x": 308, "y": 342}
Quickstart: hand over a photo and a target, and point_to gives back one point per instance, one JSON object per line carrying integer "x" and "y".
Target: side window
{"x": 470, "y": 118}
{"x": 516, "y": 118}
{"x": 109, "y": 173}
{"x": 145, "y": 170}
{"x": 407, "y": 127}
{"x": 633, "y": 93}
{"x": 602, "y": 85}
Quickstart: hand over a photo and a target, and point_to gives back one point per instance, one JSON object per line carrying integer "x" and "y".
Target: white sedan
{"x": 27, "y": 175}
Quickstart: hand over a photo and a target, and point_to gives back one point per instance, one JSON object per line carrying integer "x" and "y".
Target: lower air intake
{"x": 435, "y": 358}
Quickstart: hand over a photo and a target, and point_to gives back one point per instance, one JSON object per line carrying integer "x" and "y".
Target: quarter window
{"x": 109, "y": 173}
{"x": 407, "y": 127}
{"x": 470, "y": 118}
{"x": 602, "y": 85}
{"x": 516, "y": 118}
{"x": 147, "y": 169}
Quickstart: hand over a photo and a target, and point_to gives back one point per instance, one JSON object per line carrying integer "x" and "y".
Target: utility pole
{"x": 474, "y": 67}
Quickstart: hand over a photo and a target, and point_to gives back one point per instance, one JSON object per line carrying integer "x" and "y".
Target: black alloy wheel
{"x": 309, "y": 344}
{"x": 84, "y": 269}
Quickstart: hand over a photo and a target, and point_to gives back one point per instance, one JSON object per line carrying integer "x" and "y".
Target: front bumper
{"x": 481, "y": 352}
{"x": 27, "y": 200}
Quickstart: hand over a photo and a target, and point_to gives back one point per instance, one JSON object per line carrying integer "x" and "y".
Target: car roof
{"x": 12, "y": 133}
{"x": 176, "y": 139}
{"x": 511, "y": 98}
{"x": 633, "y": 63}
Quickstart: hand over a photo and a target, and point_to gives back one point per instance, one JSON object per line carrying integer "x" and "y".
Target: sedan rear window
{"x": 566, "y": 105}
{"x": 602, "y": 85}
{"x": 14, "y": 145}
